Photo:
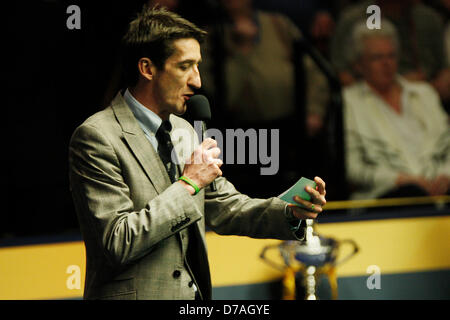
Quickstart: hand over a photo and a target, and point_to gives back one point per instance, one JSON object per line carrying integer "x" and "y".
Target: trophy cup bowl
{"x": 323, "y": 251}
{"x": 313, "y": 256}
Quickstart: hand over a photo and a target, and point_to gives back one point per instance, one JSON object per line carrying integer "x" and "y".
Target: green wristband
{"x": 191, "y": 183}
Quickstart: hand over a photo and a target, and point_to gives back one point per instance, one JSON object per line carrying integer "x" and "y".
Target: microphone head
{"x": 198, "y": 108}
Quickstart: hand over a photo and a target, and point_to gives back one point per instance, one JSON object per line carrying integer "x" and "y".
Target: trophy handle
{"x": 270, "y": 262}
{"x": 355, "y": 251}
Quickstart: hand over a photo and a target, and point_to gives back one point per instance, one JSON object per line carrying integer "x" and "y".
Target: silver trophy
{"x": 314, "y": 256}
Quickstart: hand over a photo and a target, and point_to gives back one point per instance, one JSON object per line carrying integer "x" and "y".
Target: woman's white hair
{"x": 361, "y": 32}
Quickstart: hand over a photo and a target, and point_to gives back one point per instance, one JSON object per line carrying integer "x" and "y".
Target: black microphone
{"x": 199, "y": 110}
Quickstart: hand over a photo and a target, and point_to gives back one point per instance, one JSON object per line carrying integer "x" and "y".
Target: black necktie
{"x": 165, "y": 148}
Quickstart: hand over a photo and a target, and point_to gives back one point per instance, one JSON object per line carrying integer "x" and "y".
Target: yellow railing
{"x": 388, "y": 202}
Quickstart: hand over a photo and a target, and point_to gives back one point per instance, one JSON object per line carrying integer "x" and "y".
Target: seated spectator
{"x": 397, "y": 133}
{"x": 421, "y": 31}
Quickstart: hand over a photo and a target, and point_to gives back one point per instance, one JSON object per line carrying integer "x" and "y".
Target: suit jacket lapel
{"x": 139, "y": 145}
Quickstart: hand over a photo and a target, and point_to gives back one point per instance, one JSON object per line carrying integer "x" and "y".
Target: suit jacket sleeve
{"x": 229, "y": 212}
{"x": 105, "y": 209}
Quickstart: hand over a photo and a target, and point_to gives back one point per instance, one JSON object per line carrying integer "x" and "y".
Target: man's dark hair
{"x": 151, "y": 35}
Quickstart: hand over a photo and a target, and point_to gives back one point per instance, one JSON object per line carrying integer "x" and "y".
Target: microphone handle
{"x": 212, "y": 186}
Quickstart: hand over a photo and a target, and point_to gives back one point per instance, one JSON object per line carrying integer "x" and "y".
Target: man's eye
{"x": 184, "y": 67}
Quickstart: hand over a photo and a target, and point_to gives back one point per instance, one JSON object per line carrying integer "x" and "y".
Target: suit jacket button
{"x": 176, "y": 274}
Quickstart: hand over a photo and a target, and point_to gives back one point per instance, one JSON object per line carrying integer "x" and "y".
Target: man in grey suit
{"x": 142, "y": 215}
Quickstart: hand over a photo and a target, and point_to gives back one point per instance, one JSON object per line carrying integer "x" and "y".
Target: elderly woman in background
{"x": 397, "y": 133}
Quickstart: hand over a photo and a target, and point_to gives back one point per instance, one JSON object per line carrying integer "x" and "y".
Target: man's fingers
{"x": 320, "y": 185}
{"x": 317, "y": 197}
{"x": 316, "y": 208}
{"x": 209, "y": 143}
{"x": 197, "y": 156}
{"x": 214, "y": 152}
{"x": 211, "y": 155}
{"x": 218, "y": 162}
{"x": 300, "y": 213}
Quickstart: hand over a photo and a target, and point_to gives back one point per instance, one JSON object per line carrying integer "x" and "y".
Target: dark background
{"x": 55, "y": 79}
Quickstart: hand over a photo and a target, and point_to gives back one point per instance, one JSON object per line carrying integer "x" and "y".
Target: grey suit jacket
{"x": 135, "y": 222}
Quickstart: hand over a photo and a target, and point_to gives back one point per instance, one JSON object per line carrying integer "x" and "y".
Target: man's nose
{"x": 194, "y": 80}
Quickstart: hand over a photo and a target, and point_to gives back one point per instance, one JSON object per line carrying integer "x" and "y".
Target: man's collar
{"x": 148, "y": 120}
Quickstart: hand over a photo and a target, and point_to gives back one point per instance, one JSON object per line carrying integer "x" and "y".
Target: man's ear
{"x": 146, "y": 68}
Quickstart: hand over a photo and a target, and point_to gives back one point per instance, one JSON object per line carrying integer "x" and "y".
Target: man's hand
{"x": 203, "y": 166}
{"x": 315, "y": 206}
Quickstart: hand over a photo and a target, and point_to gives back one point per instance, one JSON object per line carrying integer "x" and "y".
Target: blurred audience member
{"x": 321, "y": 31}
{"x": 260, "y": 80}
{"x": 315, "y": 18}
{"x": 420, "y": 31}
{"x": 259, "y": 68}
{"x": 397, "y": 133}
